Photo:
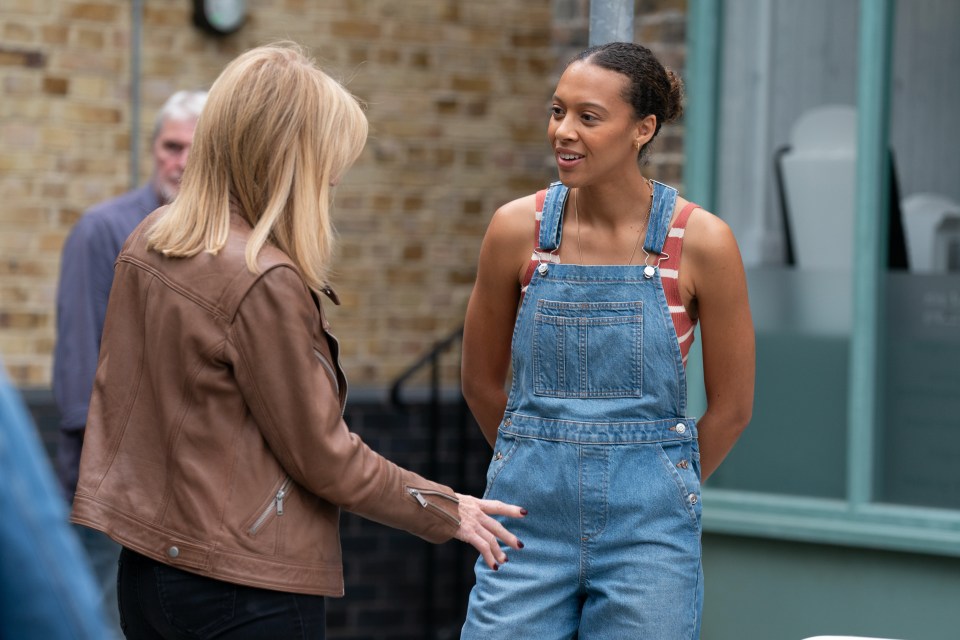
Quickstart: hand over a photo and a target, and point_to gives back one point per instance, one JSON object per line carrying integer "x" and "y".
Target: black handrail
{"x": 431, "y": 359}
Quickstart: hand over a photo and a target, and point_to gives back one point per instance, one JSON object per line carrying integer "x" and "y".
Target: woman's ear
{"x": 646, "y": 129}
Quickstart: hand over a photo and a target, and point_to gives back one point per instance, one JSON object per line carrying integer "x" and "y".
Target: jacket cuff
{"x": 440, "y": 506}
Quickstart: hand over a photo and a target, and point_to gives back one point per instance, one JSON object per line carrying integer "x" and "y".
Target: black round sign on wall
{"x": 220, "y": 17}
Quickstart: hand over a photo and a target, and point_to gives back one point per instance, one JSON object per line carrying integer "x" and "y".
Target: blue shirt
{"x": 86, "y": 275}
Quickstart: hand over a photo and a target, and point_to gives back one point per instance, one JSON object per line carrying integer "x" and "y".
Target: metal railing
{"x": 440, "y": 448}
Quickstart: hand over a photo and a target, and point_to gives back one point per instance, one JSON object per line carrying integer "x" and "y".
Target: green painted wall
{"x": 758, "y": 589}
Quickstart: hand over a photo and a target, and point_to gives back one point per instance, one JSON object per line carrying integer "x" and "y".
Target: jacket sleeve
{"x": 296, "y": 405}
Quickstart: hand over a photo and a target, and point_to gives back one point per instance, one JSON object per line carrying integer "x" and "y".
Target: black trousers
{"x": 158, "y": 601}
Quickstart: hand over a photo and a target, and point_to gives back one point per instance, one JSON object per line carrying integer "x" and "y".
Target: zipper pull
{"x": 416, "y": 494}
{"x": 280, "y": 496}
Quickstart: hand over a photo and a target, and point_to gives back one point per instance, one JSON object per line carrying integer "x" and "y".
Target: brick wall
{"x": 457, "y": 98}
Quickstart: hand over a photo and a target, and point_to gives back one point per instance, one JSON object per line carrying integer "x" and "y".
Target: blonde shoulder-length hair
{"x": 274, "y": 136}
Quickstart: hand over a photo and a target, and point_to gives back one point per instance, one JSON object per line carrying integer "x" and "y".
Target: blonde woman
{"x": 216, "y": 453}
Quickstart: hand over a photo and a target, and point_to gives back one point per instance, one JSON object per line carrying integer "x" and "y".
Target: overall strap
{"x": 661, "y": 212}
{"x": 535, "y": 257}
{"x": 551, "y": 224}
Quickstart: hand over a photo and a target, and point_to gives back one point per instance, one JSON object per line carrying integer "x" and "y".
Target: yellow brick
{"x": 89, "y": 87}
{"x": 58, "y": 137}
{"x": 22, "y": 137}
{"x": 53, "y": 190}
{"x": 163, "y": 65}
{"x": 27, "y": 372}
{"x": 26, "y": 6}
{"x": 52, "y": 242}
{"x": 467, "y": 83}
{"x": 166, "y": 15}
{"x": 25, "y": 214}
{"x": 18, "y": 32}
{"x": 14, "y": 187}
{"x": 91, "y": 61}
{"x": 89, "y": 114}
{"x": 68, "y": 216}
{"x": 12, "y": 240}
{"x": 531, "y": 39}
{"x": 55, "y": 86}
{"x": 89, "y": 39}
{"x": 23, "y": 320}
{"x": 54, "y": 34}
{"x": 356, "y": 29}
{"x": 14, "y": 266}
{"x": 23, "y": 163}
{"x": 13, "y": 294}
{"x": 95, "y": 11}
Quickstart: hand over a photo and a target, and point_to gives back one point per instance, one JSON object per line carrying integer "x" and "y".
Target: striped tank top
{"x": 669, "y": 272}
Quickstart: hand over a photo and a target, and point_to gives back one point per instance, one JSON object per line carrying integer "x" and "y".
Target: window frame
{"x": 858, "y": 520}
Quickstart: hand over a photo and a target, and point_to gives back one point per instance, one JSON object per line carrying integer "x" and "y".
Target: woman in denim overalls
{"x": 594, "y": 438}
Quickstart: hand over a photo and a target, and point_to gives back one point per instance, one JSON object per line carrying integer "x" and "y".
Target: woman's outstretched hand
{"x": 480, "y": 530}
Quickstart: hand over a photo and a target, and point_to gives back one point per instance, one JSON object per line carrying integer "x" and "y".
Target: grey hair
{"x": 180, "y": 107}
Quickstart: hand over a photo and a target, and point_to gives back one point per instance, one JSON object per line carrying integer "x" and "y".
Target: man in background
{"x": 86, "y": 275}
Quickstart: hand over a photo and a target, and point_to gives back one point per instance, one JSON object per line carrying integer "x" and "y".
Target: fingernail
{"x": 496, "y": 567}
{"x": 506, "y": 560}
{"x": 523, "y": 512}
{"x": 519, "y": 544}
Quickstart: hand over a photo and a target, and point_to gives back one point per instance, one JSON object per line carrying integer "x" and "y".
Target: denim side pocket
{"x": 503, "y": 450}
{"x": 682, "y": 462}
{"x": 588, "y": 349}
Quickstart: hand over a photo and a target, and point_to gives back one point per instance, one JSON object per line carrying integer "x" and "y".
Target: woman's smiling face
{"x": 592, "y": 129}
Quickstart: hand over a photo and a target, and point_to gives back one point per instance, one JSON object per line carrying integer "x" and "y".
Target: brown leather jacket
{"x": 215, "y": 440}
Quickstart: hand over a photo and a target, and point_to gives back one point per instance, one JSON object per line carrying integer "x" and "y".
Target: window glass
{"x": 919, "y": 445}
{"x": 787, "y": 143}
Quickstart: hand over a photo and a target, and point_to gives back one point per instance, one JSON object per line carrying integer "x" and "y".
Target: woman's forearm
{"x": 487, "y": 405}
{"x": 717, "y": 434}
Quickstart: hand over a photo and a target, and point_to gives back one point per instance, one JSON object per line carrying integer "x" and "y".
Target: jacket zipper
{"x": 346, "y": 385}
{"x": 276, "y": 505}
{"x": 329, "y": 367}
{"x": 418, "y": 495}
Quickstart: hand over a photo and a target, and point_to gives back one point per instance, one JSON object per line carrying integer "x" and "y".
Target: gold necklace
{"x": 576, "y": 213}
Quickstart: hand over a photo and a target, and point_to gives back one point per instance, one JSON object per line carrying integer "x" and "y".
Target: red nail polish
{"x": 523, "y": 512}
{"x": 519, "y": 544}
{"x": 496, "y": 567}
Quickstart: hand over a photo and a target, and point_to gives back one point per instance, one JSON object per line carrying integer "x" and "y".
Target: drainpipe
{"x": 136, "y": 29}
{"x": 611, "y": 21}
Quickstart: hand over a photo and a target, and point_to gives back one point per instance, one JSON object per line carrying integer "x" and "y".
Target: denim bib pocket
{"x": 588, "y": 349}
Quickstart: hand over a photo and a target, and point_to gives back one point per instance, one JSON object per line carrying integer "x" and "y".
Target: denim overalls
{"x": 595, "y": 444}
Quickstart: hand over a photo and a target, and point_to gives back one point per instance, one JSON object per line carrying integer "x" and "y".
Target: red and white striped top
{"x": 669, "y": 271}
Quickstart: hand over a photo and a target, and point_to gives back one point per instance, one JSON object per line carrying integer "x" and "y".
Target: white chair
{"x": 819, "y": 174}
{"x": 930, "y": 224}
{"x": 816, "y": 180}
